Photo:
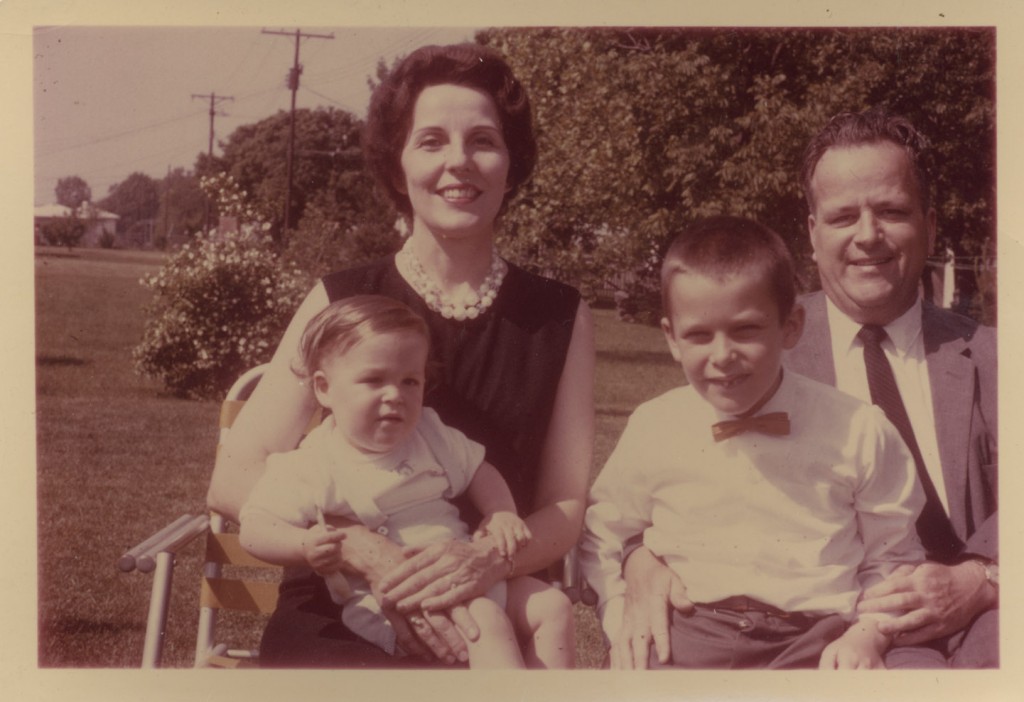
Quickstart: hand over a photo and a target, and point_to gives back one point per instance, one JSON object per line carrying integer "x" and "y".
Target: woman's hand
{"x": 440, "y": 635}
{"x": 443, "y": 575}
{"x": 444, "y": 634}
{"x": 509, "y": 531}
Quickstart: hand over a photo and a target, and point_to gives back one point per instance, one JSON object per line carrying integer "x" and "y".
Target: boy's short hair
{"x": 725, "y": 245}
{"x": 346, "y": 322}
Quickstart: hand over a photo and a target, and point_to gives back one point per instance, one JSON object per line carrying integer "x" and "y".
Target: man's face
{"x": 869, "y": 231}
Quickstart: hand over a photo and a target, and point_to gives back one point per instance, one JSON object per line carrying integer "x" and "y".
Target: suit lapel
{"x": 951, "y": 375}
{"x": 812, "y": 356}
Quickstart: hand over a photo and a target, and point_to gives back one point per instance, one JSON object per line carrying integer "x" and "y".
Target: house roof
{"x": 85, "y": 210}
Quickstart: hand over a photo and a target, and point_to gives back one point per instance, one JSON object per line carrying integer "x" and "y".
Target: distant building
{"x": 97, "y": 222}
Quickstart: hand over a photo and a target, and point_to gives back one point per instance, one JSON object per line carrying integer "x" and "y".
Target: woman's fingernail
{"x": 463, "y": 656}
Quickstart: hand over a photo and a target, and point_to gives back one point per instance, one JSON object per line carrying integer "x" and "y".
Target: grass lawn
{"x": 118, "y": 458}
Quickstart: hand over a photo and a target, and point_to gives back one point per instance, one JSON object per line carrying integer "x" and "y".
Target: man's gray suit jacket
{"x": 961, "y": 357}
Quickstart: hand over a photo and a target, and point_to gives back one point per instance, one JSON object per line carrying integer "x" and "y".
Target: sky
{"x": 110, "y": 101}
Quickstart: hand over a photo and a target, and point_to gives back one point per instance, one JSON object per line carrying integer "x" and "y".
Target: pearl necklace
{"x": 471, "y": 305}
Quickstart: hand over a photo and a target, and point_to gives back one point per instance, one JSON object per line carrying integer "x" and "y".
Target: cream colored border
{"x": 19, "y": 677}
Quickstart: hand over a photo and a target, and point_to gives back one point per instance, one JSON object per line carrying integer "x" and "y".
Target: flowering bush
{"x": 232, "y": 201}
{"x": 220, "y": 305}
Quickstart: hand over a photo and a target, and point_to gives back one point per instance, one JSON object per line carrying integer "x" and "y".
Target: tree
{"x": 135, "y": 199}
{"x": 64, "y": 231}
{"x": 182, "y": 206}
{"x": 72, "y": 192}
{"x": 643, "y": 130}
{"x": 327, "y": 169}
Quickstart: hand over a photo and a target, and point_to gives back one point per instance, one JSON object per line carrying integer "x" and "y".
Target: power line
{"x": 118, "y": 135}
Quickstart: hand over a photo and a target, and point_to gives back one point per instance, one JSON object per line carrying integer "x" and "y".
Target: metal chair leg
{"x": 156, "y": 624}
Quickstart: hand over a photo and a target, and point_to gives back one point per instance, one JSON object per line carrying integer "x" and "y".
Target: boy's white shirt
{"x": 804, "y": 522}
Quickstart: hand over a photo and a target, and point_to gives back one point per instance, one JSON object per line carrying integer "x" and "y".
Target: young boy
{"x": 383, "y": 459}
{"x": 776, "y": 499}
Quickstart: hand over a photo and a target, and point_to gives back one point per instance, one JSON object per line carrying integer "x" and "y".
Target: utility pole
{"x": 214, "y": 99}
{"x": 167, "y": 205}
{"x": 293, "y": 85}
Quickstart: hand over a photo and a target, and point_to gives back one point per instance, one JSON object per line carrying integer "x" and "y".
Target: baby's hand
{"x": 861, "y": 646}
{"x": 322, "y": 548}
{"x": 508, "y": 530}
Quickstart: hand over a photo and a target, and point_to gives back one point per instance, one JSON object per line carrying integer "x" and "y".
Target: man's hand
{"x": 930, "y": 599}
{"x": 653, "y": 590}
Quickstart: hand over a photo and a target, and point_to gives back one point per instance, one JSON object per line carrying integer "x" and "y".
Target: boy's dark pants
{"x": 741, "y": 632}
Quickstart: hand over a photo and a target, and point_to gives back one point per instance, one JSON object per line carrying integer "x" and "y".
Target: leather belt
{"x": 740, "y": 603}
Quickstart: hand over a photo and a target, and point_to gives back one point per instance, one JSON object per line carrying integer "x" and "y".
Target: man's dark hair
{"x": 871, "y": 126}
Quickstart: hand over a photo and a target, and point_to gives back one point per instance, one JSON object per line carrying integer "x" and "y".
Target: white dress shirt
{"x": 803, "y": 522}
{"x": 905, "y": 351}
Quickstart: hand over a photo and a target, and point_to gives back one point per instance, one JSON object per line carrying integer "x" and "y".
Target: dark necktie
{"x": 773, "y": 423}
{"x": 933, "y": 526}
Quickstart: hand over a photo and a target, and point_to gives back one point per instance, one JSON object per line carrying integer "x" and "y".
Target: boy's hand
{"x": 322, "y": 548}
{"x": 861, "y": 646}
{"x": 653, "y": 593}
{"x": 509, "y": 531}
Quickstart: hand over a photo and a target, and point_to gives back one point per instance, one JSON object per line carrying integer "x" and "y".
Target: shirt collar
{"x": 904, "y": 331}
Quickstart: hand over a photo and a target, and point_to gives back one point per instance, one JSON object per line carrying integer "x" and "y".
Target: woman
{"x": 449, "y": 138}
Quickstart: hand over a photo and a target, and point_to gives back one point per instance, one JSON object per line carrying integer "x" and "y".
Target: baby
{"x": 382, "y": 459}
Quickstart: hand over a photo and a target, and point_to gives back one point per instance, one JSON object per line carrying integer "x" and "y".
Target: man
{"x": 872, "y": 226}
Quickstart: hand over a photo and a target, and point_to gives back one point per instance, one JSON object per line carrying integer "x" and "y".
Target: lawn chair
{"x": 255, "y": 589}
{"x": 232, "y": 579}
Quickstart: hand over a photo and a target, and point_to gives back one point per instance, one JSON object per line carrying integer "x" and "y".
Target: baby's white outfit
{"x": 402, "y": 494}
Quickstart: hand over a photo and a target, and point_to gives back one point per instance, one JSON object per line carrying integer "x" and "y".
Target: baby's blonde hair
{"x": 346, "y": 322}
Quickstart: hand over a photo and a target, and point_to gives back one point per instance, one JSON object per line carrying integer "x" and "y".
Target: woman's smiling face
{"x": 455, "y": 161}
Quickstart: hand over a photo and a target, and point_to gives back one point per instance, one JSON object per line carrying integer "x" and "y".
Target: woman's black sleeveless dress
{"x": 495, "y": 379}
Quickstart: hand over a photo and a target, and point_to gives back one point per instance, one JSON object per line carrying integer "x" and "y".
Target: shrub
{"x": 220, "y": 305}
{"x": 640, "y": 301}
{"x": 65, "y": 231}
{"x": 107, "y": 240}
{"x": 320, "y": 245}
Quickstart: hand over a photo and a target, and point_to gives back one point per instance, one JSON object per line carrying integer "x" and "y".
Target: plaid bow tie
{"x": 773, "y": 423}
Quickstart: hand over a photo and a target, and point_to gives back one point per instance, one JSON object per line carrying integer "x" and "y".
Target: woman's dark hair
{"x": 471, "y": 65}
